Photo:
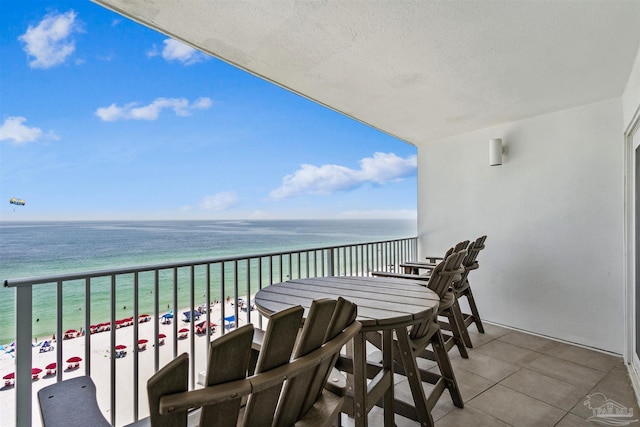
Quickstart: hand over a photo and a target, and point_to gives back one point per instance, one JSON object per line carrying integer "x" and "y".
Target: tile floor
{"x": 516, "y": 379}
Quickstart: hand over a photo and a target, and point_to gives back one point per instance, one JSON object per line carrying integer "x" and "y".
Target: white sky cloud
{"x": 327, "y": 179}
{"x": 50, "y": 42}
{"x": 14, "y": 130}
{"x": 219, "y": 201}
{"x": 132, "y": 111}
{"x": 174, "y": 50}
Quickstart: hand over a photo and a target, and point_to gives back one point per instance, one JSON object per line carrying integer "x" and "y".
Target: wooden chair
{"x": 414, "y": 267}
{"x": 448, "y": 307}
{"x": 463, "y": 289}
{"x": 426, "y": 332}
{"x": 288, "y": 386}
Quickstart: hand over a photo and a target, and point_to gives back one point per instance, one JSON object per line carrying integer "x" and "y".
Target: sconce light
{"x": 495, "y": 152}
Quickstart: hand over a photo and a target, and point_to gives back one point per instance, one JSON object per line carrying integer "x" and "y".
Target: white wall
{"x": 631, "y": 95}
{"x": 553, "y": 214}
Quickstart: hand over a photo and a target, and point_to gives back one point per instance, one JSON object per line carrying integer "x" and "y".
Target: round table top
{"x": 383, "y": 302}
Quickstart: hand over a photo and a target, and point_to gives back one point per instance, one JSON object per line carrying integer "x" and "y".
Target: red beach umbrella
{"x": 143, "y": 341}
{"x": 10, "y": 376}
{"x": 35, "y": 371}
{"x": 71, "y": 331}
{"x": 161, "y": 336}
{"x": 183, "y": 330}
{"x": 51, "y": 366}
{"x": 74, "y": 359}
{"x": 120, "y": 347}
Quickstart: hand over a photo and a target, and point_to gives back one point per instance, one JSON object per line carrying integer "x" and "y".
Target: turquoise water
{"x": 44, "y": 248}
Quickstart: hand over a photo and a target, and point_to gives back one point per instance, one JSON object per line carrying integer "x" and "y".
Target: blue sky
{"x": 103, "y": 118}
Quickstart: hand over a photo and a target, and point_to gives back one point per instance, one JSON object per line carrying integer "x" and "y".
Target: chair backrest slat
{"x": 172, "y": 378}
{"x": 446, "y": 273}
{"x": 228, "y": 361}
{"x": 279, "y": 340}
{"x": 301, "y": 392}
{"x": 469, "y": 263}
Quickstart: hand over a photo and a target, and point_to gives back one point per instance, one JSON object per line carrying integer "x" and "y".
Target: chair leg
{"x": 456, "y": 330}
{"x": 475, "y": 315}
{"x": 415, "y": 383}
{"x": 456, "y": 312}
{"x": 446, "y": 370}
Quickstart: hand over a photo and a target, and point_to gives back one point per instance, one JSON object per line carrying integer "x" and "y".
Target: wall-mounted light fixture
{"x": 495, "y": 152}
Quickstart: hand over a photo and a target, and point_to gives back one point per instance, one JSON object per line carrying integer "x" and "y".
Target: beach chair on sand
{"x": 302, "y": 401}
{"x": 229, "y": 322}
{"x": 46, "y": 346}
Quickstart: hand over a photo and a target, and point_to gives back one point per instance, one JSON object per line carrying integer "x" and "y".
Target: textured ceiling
{"x": 419, "y": 70}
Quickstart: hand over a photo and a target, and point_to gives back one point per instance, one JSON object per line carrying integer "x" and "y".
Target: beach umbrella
{"x": 183, "y": 330}
{"x": 74, "y": 359}
{"x": 143, "y": 341}
{"x": 120, "y": 347}
{"x": 10, "y": 376}
{"x": 161, "y": 336}
{"x": 51, "y": 365}
{"x": 35, "y": 371}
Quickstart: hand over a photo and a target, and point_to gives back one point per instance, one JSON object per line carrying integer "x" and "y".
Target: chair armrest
{"x": 400, "y": 275}
{"x": 414, "y": 267}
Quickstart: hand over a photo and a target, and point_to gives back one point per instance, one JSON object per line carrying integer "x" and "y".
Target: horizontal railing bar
{"x": 30, "y": 281}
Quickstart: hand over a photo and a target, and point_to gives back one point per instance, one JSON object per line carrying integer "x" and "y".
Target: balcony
{"x": 224, "y": 285}
{"x": 510, "y": 378}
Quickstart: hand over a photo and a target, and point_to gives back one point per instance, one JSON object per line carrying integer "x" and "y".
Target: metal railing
{"x": 226, "y": 278}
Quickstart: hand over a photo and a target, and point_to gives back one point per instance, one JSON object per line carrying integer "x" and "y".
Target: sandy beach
{"x": 100, "y": 364}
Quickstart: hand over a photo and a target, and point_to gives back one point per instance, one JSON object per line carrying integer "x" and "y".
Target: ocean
{"x": 29, "y": 249}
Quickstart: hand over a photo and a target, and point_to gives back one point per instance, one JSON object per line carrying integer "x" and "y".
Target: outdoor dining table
{"x": 385, "y": 305}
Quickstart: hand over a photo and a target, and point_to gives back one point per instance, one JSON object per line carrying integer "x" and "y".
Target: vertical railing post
{"x": 112, "y": 344}
{"x": 330, "y": 263}
{"x": 23, "y": 356}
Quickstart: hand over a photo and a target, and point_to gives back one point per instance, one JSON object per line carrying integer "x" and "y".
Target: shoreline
{"x": 101, "y": 363}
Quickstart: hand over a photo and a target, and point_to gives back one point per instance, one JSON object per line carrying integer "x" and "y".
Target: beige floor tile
{"x": 493, "y": 330}
{"x": 507, "y": 352}
{"x": 571, "y": 420}
{"x": 443, "y": 406}
{"x": 563, "y": 370}
{"x": 585, "y": 357}
{"x": 528, "y": 341}
{"x": 469, "y": 417}
{"x": 470, "y": 384}
{"x": 485, "y": 366}
{"x": 516, "y": 408}
{"x": 478, "y": 339}
{"x": 616, "y": 387}
{"x": 558, "y": 393}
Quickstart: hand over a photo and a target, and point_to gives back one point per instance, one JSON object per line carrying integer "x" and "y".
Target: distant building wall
{"x": 553, "y": 214}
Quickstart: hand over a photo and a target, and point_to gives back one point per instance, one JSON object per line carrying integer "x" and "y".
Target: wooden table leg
{"x": 387, "y": 365}
{"x": 360, "y": 380}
